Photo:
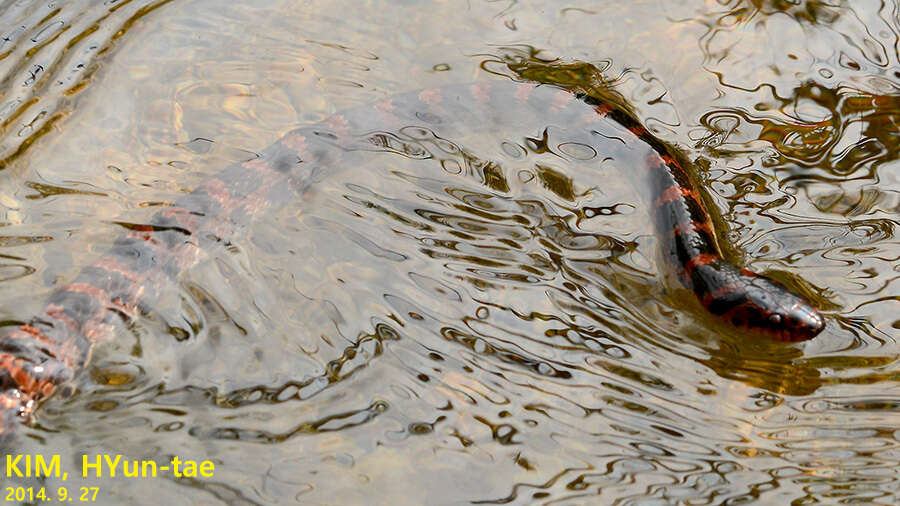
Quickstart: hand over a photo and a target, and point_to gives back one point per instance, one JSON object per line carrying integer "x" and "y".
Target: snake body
{"x": 38, "y": 356}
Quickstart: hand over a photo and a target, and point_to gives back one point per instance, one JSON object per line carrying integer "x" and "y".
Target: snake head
{"x": 760, "y": 305}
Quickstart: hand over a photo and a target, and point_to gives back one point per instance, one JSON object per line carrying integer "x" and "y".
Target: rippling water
{"x": 491, "y": 324}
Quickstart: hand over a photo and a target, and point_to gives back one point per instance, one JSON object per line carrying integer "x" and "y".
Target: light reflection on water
{"x": 447, "y": 330}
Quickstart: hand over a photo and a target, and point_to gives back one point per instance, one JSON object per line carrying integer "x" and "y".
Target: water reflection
{"x": 834, "y": 133}
{"x": 48, "y": 55}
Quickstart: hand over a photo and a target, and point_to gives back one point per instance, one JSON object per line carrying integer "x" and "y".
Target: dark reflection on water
{"x": 48, "y": 54}
{"x": 468, "y": 305}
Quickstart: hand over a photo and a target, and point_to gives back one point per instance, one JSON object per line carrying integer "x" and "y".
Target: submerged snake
{"x": 49, "y": 350}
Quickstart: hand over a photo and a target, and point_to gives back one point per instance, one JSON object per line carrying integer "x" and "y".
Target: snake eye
{"x": 775, "y": 319}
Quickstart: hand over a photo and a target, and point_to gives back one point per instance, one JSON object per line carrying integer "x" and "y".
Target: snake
{"x": 44, "y": 354}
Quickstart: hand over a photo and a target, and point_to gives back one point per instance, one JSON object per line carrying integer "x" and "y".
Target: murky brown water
{"x": 404, "y": 334}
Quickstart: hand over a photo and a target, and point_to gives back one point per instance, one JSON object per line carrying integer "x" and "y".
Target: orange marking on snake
{"x": 386, "y": 108}
{"x": 682, "y": 228}
{"x": 603, "y": 109}
{"x": 638, "y": 130}
{"x": 673, "y": 193}
{"x": 216, "y": 189}
{"x": 339, "y": 124}
{"x": 260, "y": 165}
{"x": 562, "y": 99}
{"x": 523, "y": 91}
{"x": 711, "y": 297}
{"x": 31, "y": 331}
{"x": 110, "y": 264}
{"x": 698, "y": 260}
{"x": 431, "y": 97}
{"x": 97, "y": 293}
{"x": 671, "y": 162}
{"x": 185, "y": 218}
{"x": 257, "y": 201}
{"x": 56, "y": 312}
{"x": 8, "y": 402}
{"x": 145, "y": 236}
{"x": 70, "y": 353}
{"x": 663, "y": 161}
{"x": 15, "y": 370}
{"x": 481, "y": 93}
{"x": 295, "y": 142}
{"x": 93, "y": 329}
{"x": 29, "y": 387}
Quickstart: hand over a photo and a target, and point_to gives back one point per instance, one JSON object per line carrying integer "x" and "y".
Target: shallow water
{"x": 506, "y": 332}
